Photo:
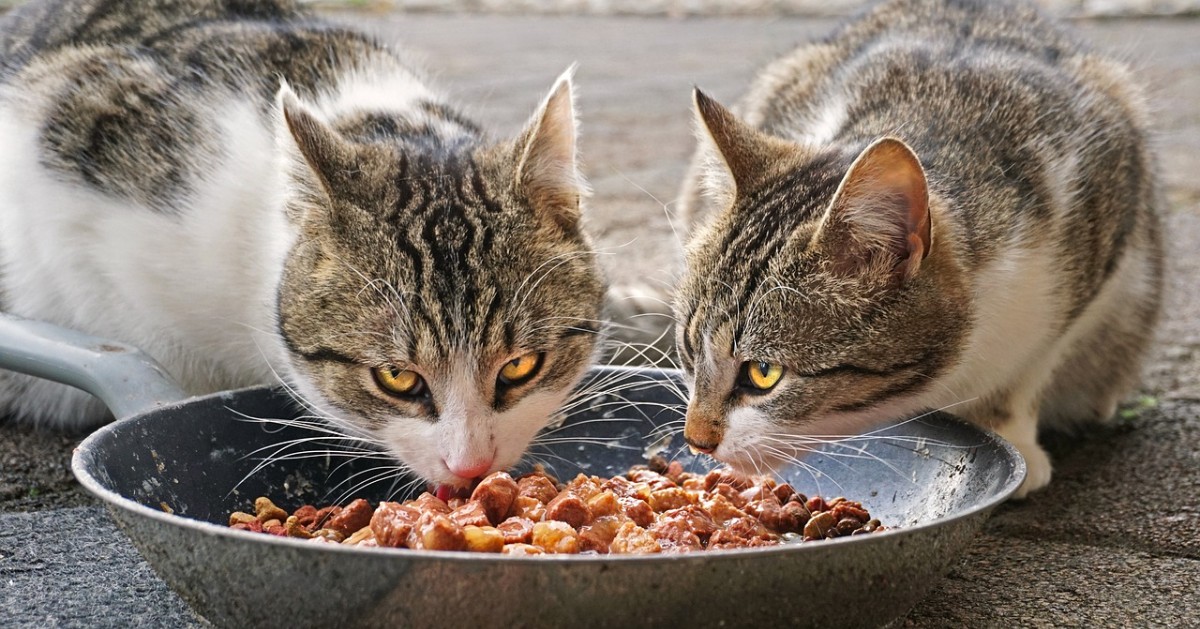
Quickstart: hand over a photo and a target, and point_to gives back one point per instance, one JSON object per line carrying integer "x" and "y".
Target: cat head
{"x": 441, "y": 300}
{"x": 823, "y": 298}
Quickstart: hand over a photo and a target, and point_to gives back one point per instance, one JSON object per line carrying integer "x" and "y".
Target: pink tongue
{"x": 445, "y": 492}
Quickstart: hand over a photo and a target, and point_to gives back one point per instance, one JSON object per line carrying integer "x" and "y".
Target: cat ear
{"x": 321, "y": 160}
{"x": 881, "y": 207}
{"x": 547, "y": 164}
{"x": 738, "y": 155}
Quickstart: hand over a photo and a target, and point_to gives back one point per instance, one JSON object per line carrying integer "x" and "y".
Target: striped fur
{"x": 249, "y": 193}
{"x": 1033, "y": 293}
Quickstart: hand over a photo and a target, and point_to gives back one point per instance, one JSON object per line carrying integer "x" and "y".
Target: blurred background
{"x": 679, "y": 8}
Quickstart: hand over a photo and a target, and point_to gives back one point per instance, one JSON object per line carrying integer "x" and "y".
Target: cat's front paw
{"x": 1037, "y": 469}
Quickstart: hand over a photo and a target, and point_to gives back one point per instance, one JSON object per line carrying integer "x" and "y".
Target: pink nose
{"x": 470, "y": 469}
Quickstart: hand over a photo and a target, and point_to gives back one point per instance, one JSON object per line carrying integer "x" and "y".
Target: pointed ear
{"x": 547, "y": 165}
{"x": 322, "y": 162}
{"x": 739, "y": 155}
{"x": 881, "y": 212}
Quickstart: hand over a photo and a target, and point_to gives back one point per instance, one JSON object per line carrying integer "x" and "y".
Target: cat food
{"x": 651, "y": 509}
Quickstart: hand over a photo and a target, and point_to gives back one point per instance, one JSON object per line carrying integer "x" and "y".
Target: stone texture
{"x": 73, "y": 568}
{"x": 1012, "y": 582}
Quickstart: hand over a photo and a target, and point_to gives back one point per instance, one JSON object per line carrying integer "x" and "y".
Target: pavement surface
{"x": 1113, "y": 542}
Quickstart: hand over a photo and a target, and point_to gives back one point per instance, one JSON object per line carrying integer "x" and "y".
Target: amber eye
{"x": 520, "y": 369}
{"x": 398, "y": 381}
{"x": 761, "y": 375}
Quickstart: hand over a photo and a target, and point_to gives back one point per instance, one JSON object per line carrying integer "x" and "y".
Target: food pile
{"x": 660, "y": 510}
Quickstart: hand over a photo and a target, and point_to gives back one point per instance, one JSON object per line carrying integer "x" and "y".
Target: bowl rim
{"x": 84, "y": 457}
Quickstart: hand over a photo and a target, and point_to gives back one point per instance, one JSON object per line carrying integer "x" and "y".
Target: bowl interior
{"x": 210, "y": 456}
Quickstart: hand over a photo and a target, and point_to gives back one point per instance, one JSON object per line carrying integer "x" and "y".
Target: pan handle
{"x": 127, "y": 380}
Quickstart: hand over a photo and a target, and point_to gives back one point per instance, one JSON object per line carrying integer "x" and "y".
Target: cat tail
{"x": 640, "y": 325}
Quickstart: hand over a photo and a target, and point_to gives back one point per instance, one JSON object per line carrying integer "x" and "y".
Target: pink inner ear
{"x": 884, "y": 200}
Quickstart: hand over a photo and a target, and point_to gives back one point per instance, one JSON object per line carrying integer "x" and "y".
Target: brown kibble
{"x": 392, "y": 523}
{"x": 603, "y": 503}
{"x": 323, "y": 515}
{"x": 633, "y": 539}
{"x": 674, "y": 472}
{"x": 528, "y": 508}
{"x": 583, "y": 486}
{"x": 667, "y": 499}
{"x": 674, "y": 537}
{"x": 428, "y": 502}
{"x": 846, "y": 526}
{"x": 570, "y": 508}
{"x": 351, "y": 518}
{"x": 600, "y": 533}
{"x": 556, "y": 537}
{"x": 522, "y": 549}
{"x": 637, "y": 510}
{"x": 241, "y": 517}
{"x": 436, "y": 531}
{"x": 848, "y": 509}
{"x": 334, "y": 536}
{"x": 620, "y": 486}
{"x": 306, "y": 515}
{"x": 496, "y": 493}
{"x": 721, "y": 509}
{"x": 265, "y": 510}
{"x": 539, "y": 488}
{"x": 784, "y": 492}
{"x": 483, "y": 539}
{"x": 470, "y": 514}
{"x": 294, "y": 529}
{"x": 643, "y": 512}
{"x": 516, "y": 530}
{"x": 819, "y": 525}
{"x": 726, "y": 476}
{"x": 749, "y": 528}
{"x": 731, "y": 494}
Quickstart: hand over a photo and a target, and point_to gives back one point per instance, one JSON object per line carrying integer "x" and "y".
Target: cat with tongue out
{"x": 247, "y": 193}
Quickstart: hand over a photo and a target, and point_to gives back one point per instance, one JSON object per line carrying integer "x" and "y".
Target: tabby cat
{"x": 947, "y": 203}
{"x": 240, "y": 189}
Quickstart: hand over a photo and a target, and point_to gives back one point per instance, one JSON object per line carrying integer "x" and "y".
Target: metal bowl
{"x": 171, "y": 475}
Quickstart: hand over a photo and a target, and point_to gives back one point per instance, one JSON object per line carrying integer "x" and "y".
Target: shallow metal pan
{"x": 171, "y": 470}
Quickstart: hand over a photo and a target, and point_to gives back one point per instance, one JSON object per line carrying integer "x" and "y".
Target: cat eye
{"x": 521, "y": 369}
{"x": 760, "y": 376}
{"x": 396, "y": 381}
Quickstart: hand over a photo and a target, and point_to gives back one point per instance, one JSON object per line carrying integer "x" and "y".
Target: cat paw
{"x": 1037, "y": 469}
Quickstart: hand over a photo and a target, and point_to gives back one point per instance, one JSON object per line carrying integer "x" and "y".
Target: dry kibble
{"x": 266, "y": 510}
{"x": 820, "y": 525}
{"x": 660, "y": 509}
{"x": 239, "y": 517}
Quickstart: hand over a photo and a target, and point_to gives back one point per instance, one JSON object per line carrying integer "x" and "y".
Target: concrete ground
{"x": 1114, "y": 541}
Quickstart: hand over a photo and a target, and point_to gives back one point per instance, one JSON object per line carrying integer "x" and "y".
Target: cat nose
{"x": 470, "y": 468}
{"x": 697, "y": 447}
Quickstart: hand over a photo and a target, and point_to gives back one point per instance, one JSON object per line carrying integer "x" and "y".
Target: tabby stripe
{"x": 865, "y": 371}
{"x": 323, "y": 354}
{"x": 893, "y": 390}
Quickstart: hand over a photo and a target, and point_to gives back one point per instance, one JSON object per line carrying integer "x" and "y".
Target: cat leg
{"x": 1109, "y": 342}
{"x": 1021, "y": 430}
{"x": 1012, "y": 414}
